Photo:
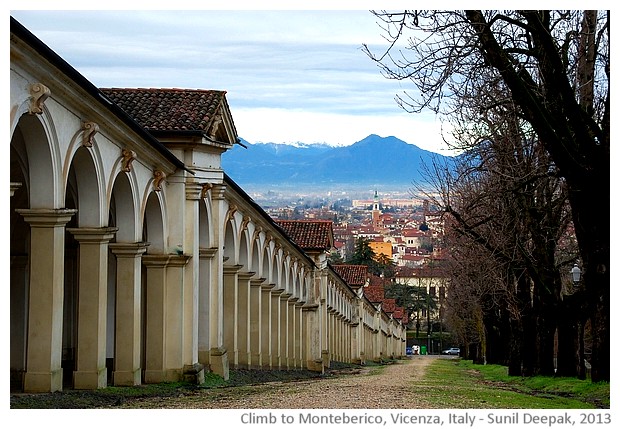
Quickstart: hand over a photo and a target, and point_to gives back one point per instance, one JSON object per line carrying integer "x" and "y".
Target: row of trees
{"x": 526, "y": 94}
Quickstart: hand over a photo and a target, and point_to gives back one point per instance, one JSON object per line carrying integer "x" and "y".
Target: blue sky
{"x": 290, "y": 75}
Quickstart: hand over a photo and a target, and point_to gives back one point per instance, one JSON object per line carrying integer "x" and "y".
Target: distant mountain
{"x": 385, "y": 160}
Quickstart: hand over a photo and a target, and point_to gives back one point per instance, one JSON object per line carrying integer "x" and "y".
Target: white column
{"x": 284, "y": 330}
{"x": 276, "y": 328}
{"x": 91, "y": 372}
{"x": 204, "y": 305}
{"x": 128, "y": 333}
{"x": 256, "y": 317}
{"x": 47, "y": 249}
{"x": 155, "y": 366}
{"x": 231, "y": 312}
{"x": 243, "y": 320}
{"x": 218, "y": 355}
{"x": 265, "y": 326}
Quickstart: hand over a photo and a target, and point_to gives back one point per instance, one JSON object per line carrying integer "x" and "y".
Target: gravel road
{"x": 389, "y": 388}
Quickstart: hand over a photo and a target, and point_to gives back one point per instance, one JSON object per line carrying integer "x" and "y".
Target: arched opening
{"x": 153, "y": 233}
{"x": 83, "y": 193}
{"x": 122, "y": 215}
{"x": 206, "y": 253}
{"x": 33, "y": 186}
{"x": 19, "y": 280}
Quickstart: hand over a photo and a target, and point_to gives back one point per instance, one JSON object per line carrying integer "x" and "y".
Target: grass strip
{"x": 455, "y": 383}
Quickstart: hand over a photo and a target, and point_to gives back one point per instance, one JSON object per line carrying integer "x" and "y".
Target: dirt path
{"x": 392, "y": 387}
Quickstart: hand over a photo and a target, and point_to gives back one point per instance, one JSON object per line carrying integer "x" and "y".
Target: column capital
{"x": 277, "y": 291}
{"x": 156, "y": 260}
{"x": 47, "y": 217}
{"x": 93, "y": 235}
{"x": 246, "y": 275}
{"x": 165, "y": 260}
{"x": 207, "y": 252}
{"x": 267, "y": 286}
{"x": 128, "y": 249}
{"x": 310, "y": 307}
{"x": 193, "y": 191}
{"x": 232, "y": 269}
{"x": 257, "y": 282}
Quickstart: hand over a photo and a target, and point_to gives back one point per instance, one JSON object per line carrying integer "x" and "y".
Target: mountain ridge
{"x": 373, "y": 159}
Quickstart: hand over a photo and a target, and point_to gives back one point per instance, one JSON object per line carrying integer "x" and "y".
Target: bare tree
{"x": 554, "y": 67}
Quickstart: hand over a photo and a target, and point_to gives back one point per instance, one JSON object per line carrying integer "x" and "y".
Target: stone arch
{"x": 257, "y": 254}
{"x": 205, "y": 223}
{"x": 269, "y": 261}
{"x": 123, "y": 214}
{"x": 304, "y": 278}
{"x": 295, "y": 278}
{"x": 35, "y": 176}
{"x": 38, "y": 152}
{"x": 83, "y": 192}
{"x": 231, "y": 237}
{"x": 245, "y": 245}
{"x": 278, "y": 268}
{"x": 123, "y": 211}
{"x": 85, "y": 184}
{"x": 153, "y": 224}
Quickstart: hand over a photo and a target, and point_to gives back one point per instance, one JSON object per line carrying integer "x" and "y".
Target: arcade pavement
{"x": 389, "y": 388}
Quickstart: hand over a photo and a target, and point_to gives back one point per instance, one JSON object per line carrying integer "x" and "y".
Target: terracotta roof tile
{"x": 398, "y": 313}
{"x": 309, "y": 234}
{"x": 168, "y": 109}
{"x": 354, "y": 275}
{"x": 389, "y": 304}
{"x": 374, "y": 294}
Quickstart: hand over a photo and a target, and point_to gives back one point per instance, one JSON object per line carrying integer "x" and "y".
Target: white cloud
{"x": 289, "y": 75}
{"x": 290, "y": 126}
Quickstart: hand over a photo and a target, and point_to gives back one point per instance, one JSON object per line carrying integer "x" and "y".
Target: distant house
{"x": 381, "y": 248}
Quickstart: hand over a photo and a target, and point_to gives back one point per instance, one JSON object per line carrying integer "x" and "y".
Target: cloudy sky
{"x": 290, "y": 75}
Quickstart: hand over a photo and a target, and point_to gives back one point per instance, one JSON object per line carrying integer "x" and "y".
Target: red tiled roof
{"x": 309, "y": 234}
{"x": 354, "y": 275}
{"x": 168, "y": 109}
{"x": 374, "y": 293}
{"x": 399, "y": 313}
{"x": 377, "y": 281}
{"x": 389, "y": 304}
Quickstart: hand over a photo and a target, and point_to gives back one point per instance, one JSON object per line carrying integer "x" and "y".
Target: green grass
{"x": 455, "y": 383}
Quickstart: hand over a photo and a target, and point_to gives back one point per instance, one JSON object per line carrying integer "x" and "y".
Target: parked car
{"x": 452, "y": 351}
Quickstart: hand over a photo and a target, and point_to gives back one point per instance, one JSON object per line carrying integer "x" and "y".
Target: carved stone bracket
{"x": 231, "y": 212}
{"x": 38, "y": 95}
{"x": 128, "y": 158}
{"x": 205, "y": 189}
{"x": 15, "y": 186}
{"x": 245, "y": 222}
{"x": 158, "y": 177}
{"x": 89, "y": 129}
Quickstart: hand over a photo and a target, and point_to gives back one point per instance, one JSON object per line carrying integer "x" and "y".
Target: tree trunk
{"x": 567, "y": 357}
{"x": 515, "y": 360}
